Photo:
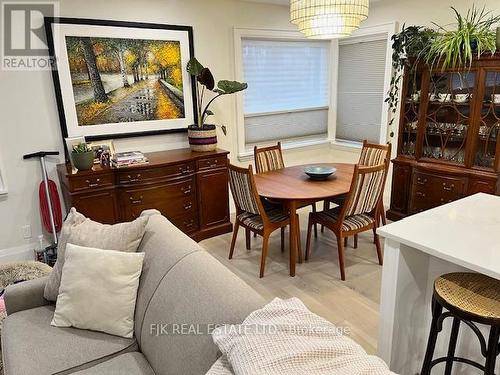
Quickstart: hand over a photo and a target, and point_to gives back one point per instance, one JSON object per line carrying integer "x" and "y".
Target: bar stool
{"x": 469, "y": 298}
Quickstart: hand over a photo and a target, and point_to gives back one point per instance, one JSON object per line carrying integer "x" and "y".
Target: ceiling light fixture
{"x": 328, "y": 19}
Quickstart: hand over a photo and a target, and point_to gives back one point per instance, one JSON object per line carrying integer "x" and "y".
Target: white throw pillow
{"x": 283, "y": 338}
{"x": 98, "y": 290}
{"x": 79, "y": 230}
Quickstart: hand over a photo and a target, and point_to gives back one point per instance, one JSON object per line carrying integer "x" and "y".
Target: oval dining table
{"x": 294, "y": 189}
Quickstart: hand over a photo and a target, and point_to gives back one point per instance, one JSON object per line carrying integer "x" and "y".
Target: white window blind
{"x": 288, "y": 89}
{"x": 360, "y": 95}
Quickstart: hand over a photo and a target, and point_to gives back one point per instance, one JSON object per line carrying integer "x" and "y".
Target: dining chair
{"x": 371, "y": 154}
{"x": 270, "y": 158}
{"x": 252, "y": 213}
{"x": 359, "y": 213}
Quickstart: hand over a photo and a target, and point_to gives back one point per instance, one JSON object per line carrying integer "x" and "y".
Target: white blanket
{"x": 285, "y": 338}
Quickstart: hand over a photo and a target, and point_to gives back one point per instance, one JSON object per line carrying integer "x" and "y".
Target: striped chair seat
{"x": 255, "y": 221}
{"x": 350, "y": 222}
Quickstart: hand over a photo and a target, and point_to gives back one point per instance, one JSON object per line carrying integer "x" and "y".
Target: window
{"x": 288, "y": 89}
{"x": 361, "y": 89}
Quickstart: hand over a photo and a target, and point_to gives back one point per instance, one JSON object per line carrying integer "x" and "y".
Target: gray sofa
{"x": 181, "y": 284}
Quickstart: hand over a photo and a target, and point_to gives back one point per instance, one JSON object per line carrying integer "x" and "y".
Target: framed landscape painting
{"x": 121, "y": 79}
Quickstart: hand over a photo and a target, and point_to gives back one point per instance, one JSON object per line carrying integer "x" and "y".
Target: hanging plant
{"x": 473, "y": 36}
{"x": 408, "y": 47}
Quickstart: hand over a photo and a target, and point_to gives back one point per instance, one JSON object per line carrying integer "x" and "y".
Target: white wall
{"x": 29, "y": 120}
{"x": 423, "y": 12}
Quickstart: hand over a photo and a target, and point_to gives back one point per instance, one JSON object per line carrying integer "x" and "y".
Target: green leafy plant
{"x": 473, "y": 36}
{"x": 81, "y": 148}
{"x": 205, "y": 81}
{"x": 408, "y": 48}
{"x": 448, "y": 48}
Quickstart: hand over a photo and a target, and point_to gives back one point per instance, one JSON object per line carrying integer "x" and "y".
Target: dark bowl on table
{"x": 319, "y": 172}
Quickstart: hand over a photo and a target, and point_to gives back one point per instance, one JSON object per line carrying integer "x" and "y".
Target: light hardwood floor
{"x": 353, "y": 303}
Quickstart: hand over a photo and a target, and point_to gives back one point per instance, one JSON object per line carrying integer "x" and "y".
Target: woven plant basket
{"x": 202, "y": 139}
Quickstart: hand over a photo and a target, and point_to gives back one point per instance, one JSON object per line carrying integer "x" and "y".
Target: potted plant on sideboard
{"x": 203, "y": 136}
{"x": 82, "y": 156}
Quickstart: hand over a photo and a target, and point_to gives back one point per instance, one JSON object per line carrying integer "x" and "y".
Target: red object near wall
{"x": 44, "y": 206}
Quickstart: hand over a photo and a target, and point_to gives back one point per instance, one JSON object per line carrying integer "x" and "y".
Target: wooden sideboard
{"x": 189, "y": 188}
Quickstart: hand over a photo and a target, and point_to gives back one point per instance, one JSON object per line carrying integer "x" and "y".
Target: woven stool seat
{"x": 472, "y": 293}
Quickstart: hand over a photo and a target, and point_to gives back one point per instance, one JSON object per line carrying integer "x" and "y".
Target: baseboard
{"x": 18, "y": 253}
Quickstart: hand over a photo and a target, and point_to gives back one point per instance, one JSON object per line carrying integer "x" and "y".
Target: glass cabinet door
{"x": 489, "y": 122}
{"x": 448, "y": 115}
{"x": 411, "y": 111}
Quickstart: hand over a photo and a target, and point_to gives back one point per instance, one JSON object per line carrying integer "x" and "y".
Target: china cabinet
{"x": 447, "y": 139}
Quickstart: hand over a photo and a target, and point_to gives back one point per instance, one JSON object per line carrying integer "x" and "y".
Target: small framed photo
{"x": 71, "y": 142}
{"x": 103, "y": 151}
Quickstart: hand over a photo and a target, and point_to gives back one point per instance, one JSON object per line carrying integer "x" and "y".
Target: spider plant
{"x": 473, "y": 36}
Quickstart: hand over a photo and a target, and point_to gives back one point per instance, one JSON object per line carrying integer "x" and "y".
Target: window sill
{"x": 290, "y": 145}
{"x": 346, "y": 145}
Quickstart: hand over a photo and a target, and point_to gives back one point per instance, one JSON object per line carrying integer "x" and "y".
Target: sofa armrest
{"x": 26, "y": 295}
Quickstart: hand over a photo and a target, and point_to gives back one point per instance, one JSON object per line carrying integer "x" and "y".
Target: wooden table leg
{"x": 294, "y": 224}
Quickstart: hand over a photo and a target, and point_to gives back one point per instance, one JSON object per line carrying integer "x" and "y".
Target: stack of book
{"x": 125, "y": 159}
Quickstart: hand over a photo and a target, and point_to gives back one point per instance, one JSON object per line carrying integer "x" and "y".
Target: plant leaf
{"x": 194, "y": 67}
{"x": 206, "y": 78}
{"x": 225, "y": 87}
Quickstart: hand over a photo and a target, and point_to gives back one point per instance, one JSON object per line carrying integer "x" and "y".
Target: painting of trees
{"x": 125, "y": 80}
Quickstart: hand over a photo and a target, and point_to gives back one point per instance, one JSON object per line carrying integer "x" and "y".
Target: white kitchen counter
{"x": 460, "y": 236}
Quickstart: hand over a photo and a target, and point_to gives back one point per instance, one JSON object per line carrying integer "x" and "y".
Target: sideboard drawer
{"x": 212, "y": 163}
{"x": 432, "y": 190}
{"x": 187, "y": 223}
{"x": 91, "y": 182}
{"x": 151, "y": 175}
{"x": 171, "y": 199}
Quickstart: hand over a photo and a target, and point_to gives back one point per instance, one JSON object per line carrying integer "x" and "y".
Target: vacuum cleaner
{"x": 50, "y": 207}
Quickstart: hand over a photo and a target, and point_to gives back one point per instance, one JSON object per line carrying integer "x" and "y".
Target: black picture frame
{"x": 49, "y": 21}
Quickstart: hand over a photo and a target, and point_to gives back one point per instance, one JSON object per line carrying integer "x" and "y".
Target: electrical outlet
{"x": 27, "y": 232}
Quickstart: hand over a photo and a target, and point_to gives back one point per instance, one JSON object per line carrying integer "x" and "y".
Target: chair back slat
{"x": 374, "y": 154}
{"x": 240, "y": 181}
{"x": 366, "y": 190}
{"x": 268, "y": 158}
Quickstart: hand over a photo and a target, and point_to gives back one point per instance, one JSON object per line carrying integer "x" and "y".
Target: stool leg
{"x": 431, "y": 343}
{"x": 452, "y": 346}
{"x": 491, "y": 355}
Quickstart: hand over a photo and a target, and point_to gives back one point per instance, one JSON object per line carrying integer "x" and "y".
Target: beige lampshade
{"x": 327, "y": 19}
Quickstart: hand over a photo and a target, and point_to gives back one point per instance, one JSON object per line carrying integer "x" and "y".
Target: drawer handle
{"x": 136, "y": 179}
{"x": 212, "y": 163}
{"x": 420, "y": 194}
{"x": 188, "y": 206}
{"x": 184, "y": 171}
{"x": 448, "y": 188}
{"x": 93, "y": 184}
{"x": 136, "y": 201}
{"x": 186, "y": 189}
{"x": 188, "y": 224}
{"x": 421, "y": 182}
